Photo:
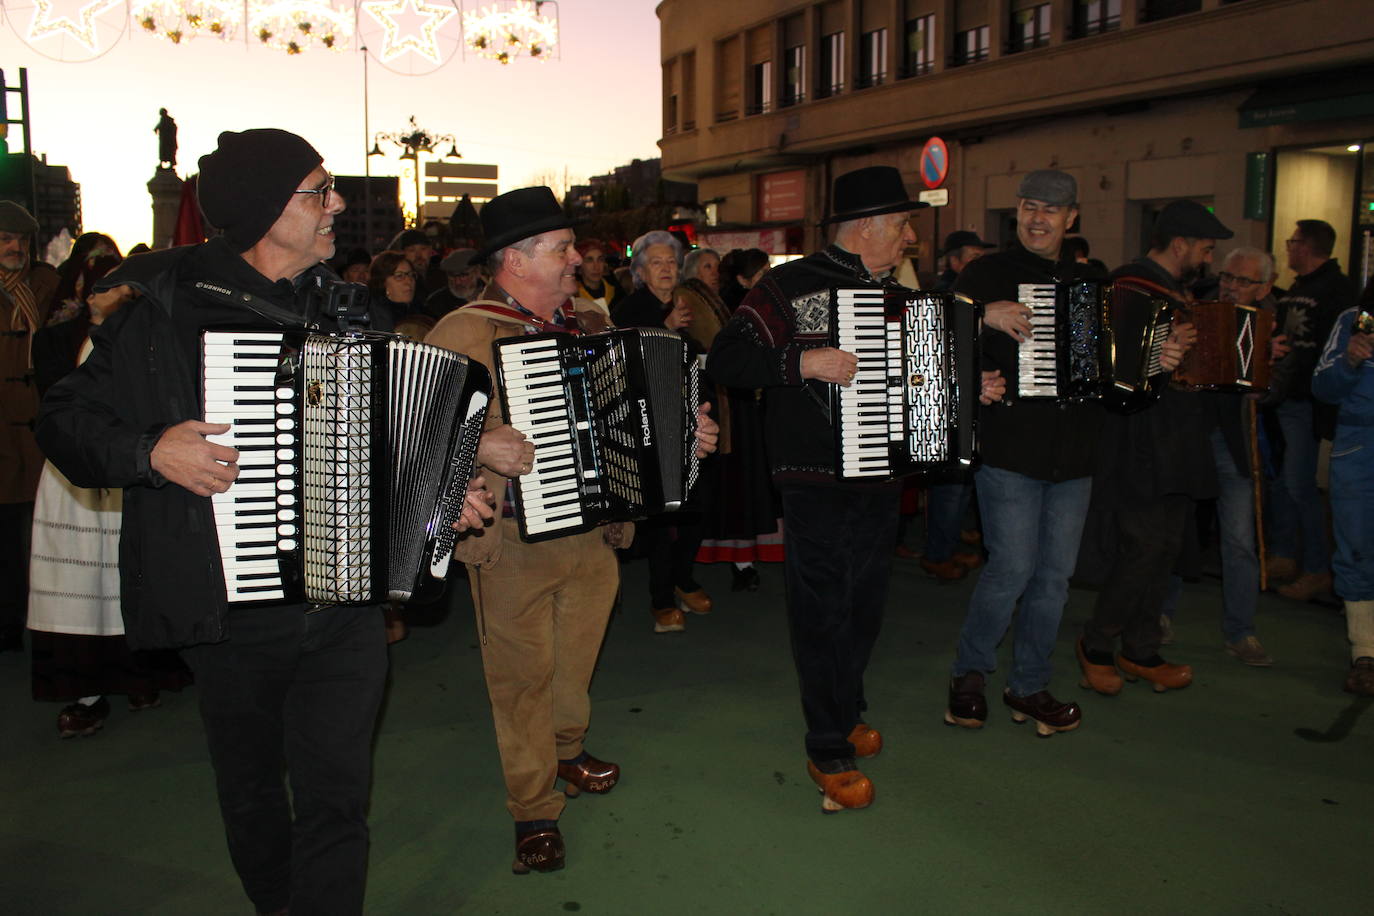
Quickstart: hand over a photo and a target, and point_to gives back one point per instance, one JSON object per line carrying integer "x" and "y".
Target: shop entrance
{"x": 1334, "y": 183}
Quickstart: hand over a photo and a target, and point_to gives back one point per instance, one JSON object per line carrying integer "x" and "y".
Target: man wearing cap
{"x": 541, "y": 608}
{"x": 961, "y": 249}
{"x": 279, "y": 688}
{"x": 1155, "y": 463}
{"x": 26, "y": 289}
{"x": 1035, "y": 480}
{"x": 462, "y": 283}
{"x": 839, "y": 535}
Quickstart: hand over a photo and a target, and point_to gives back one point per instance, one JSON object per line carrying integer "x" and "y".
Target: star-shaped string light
{"x": 79, "y": 24}
{"x": 400, "y": 18}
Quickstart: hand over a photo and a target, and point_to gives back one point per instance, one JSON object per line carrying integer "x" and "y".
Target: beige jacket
{"x": 472, "y": 332}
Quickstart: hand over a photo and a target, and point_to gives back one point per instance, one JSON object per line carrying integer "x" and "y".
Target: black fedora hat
{"x": 507, "y": 218}
{"x": 870, "y": 191}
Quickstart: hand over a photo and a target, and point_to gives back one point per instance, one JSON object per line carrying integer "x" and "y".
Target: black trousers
{"x": 299, "y": 692}
{"x": 839, "y": 555}
{"x": 15, "y": 522}
{"x": 1149, "y": 537}
{"x": 671, "y": 541}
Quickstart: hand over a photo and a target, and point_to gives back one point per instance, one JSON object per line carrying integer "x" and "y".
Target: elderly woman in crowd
{"x": 740, "y": 524}
{"x": 671, "y": 540}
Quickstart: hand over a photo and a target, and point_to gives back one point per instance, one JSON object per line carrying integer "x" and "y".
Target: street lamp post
{"x": 416, "y": 141}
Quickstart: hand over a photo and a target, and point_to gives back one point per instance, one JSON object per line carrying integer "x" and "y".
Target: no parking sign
{"x": 934, "y": 162}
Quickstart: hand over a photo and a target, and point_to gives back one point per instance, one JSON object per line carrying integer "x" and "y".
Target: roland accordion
{"x": 355, "y": 452}
{"x": 1068, "y": 356}
{"x": 1232, "y": 349}
{"x": 913, "y": 404}
{"x": 613, "y": 420}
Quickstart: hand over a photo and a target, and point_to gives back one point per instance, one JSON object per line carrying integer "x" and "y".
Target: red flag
{"x": 189, "y": 230}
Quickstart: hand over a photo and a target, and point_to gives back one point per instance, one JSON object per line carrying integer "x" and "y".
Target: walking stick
{"x": 1255, "y": 477}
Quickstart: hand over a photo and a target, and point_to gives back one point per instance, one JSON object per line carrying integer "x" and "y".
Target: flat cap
{"x": 14, "y": 218}
{"x": 1051, "y": 186}
{"x": 457, "y": 260}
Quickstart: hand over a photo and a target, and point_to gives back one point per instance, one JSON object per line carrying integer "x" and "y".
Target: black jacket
{"x": 1162, "y": 449}
{"x": 1306, "y": 313}
{"x": 99, "y": 425}
{"x": 640, "y": 309}
{"x": 783, "y": 316}
{"x": 1039, "y": 439}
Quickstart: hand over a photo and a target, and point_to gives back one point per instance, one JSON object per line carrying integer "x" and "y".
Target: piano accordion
{"x": 1232, "y": 348}
{"x": 355, "y": 452}
{"x": 913, "y": 404}
{"x": 1093, "y": 341}
{"x": 1068, "y": 355}
{"x": 613, "y": 420}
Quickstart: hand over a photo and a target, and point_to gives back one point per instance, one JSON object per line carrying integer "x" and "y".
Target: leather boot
{"x": 967, "y": 708}
{"x": 1049, "y": 714}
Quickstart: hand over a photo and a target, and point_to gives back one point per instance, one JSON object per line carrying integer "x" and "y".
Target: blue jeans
{"x": 948, "y": 504}
{"x": 1239, "y": 562}
{"x": 1352, "y": 511}
{"x": 1031, "y": 529}
{"x": 1299, "y": 517}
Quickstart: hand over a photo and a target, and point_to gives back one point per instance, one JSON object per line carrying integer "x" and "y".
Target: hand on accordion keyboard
{"x": 506, "y": 451}
{"x": 478, "y": 506}
{"x": 708, "y": 431}
{"x": 1179, "y": 341}
{"x": 994, "y": 387}
{"x": 1011, "y": 318}
{"x": 186, "y": 458}
{"x": 827, "y": 364}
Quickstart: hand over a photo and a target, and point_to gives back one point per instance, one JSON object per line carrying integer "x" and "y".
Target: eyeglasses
{"x": 1243, "y": 282}
{"x": 404, "y": 275}
{"x": 1291, "y": 242}
{"x": 323, "y": 190}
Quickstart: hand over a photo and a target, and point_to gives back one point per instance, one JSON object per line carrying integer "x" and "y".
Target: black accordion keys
{"x": 1232, "y": 348}
{"x": 355, "y": 452}
{"x": 1141, "y": 321}
{"x": 1068, "y": 355}
{"x": 613, "y": 420}
{"x": 913, "y": 404}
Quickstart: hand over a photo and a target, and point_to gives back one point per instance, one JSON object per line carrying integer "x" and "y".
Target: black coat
{"x": 100, "y": 423}
{"x": 1040, "y": 439}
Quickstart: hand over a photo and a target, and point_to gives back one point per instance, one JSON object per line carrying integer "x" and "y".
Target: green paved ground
{"x": 1249, "y": 792}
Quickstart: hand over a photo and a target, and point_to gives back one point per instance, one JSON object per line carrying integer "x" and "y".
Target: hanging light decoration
{"x": 73, "y": 20}
{"x": 410, "y": 25}
{"x": 507, "y": 30}
{"x": 296, "y": 25}
{"x": 180, "y": 20}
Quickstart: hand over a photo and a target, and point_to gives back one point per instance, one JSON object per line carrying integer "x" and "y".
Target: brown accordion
{"x": 1232, "y": 349}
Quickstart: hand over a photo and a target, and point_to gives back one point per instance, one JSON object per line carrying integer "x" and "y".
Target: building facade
{"x": 1260, "y": 109}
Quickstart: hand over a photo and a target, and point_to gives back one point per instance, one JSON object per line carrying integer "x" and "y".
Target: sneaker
{"x": 1307, "y": 586}
{"x": 1360, "y": 680}
{"x": 1249, "y": 651}
{"x": 1166, "y": 630}
{"x": 79, "y": 719}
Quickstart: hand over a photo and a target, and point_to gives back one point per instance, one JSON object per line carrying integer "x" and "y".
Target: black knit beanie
{"x": 248, "y": 180}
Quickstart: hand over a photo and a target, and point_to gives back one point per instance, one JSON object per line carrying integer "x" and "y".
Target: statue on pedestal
{"x": 166, "y": 131}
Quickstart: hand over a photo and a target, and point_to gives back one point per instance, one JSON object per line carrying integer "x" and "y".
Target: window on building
{"x": 1030, "y": 27}
{"x": 689, "y": 91}
{"x": 1093, "y": 17}
{"x": 761, "y": 87}
{"x": 873, "y": 58}
{"x": 832, "y": 65}
{"x": 729, "y": 62}
{"x": 794, "y": 76}
{"x": 670, "y": 72}
{"x": 971, "y": 45}
{"x": 1164, "y": 9}
{"x": 920, "y": 46}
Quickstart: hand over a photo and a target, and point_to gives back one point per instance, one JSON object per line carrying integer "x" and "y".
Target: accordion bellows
{"x": 355, "y": 452}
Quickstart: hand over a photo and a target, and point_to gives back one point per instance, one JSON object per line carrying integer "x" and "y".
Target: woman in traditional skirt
{"x": 77, "y": 634}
